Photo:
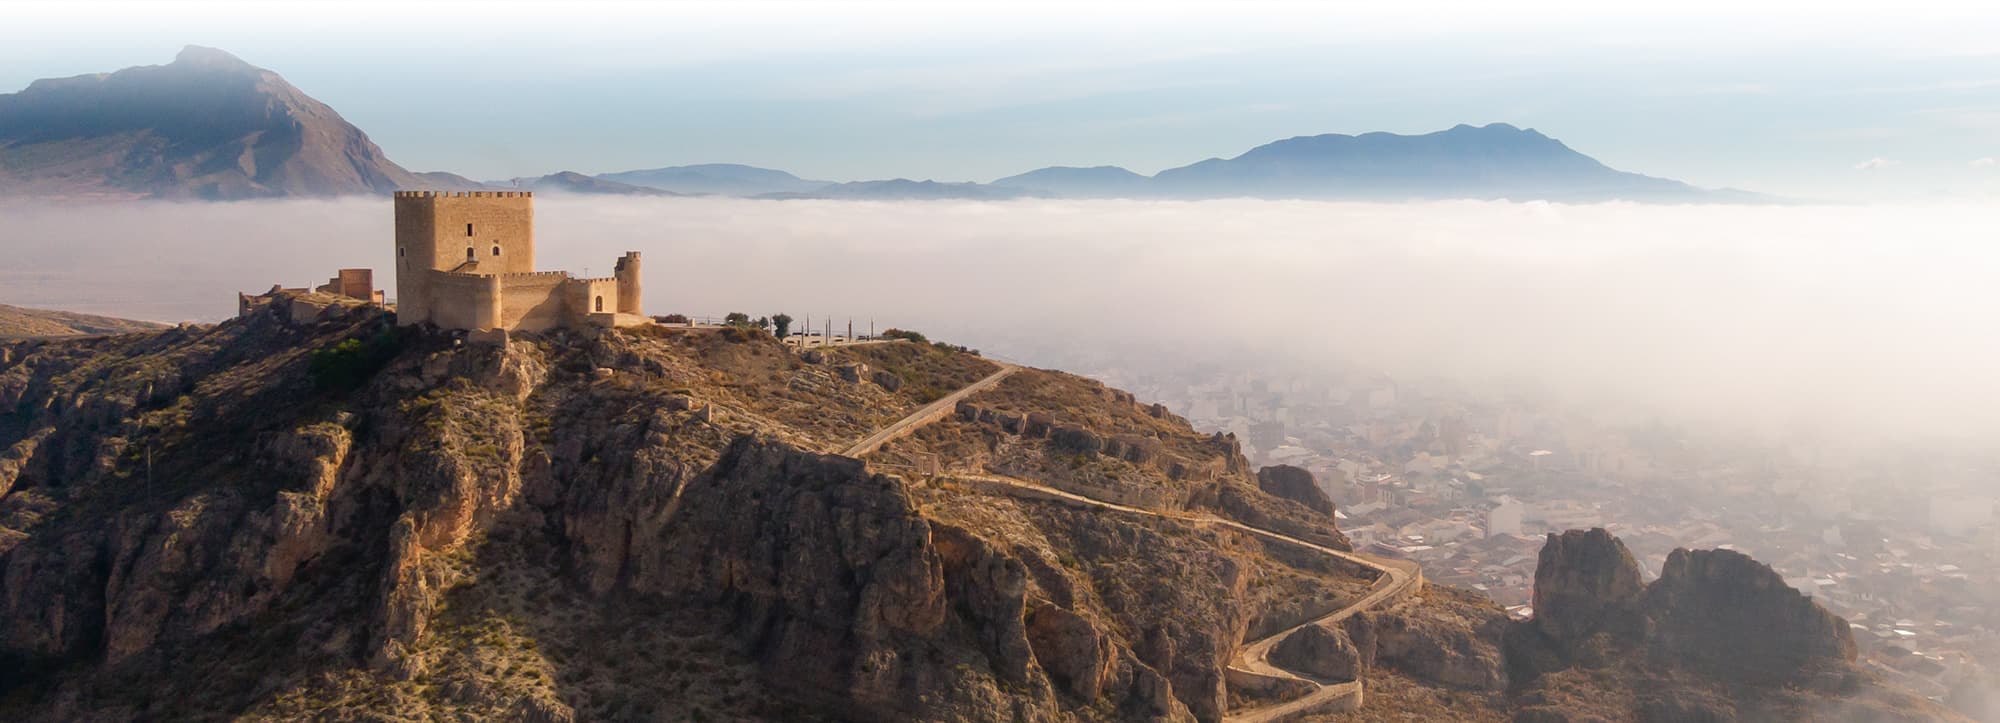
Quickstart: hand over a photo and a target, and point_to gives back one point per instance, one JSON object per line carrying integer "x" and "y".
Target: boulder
{"x": 1010, "y": 422}
{"x": 1295, "y": 484}
{"x": 852, "y": 372}
{"x": 1323, "y": 652}
{"x": 886, "y": 380}
{"x": 1140, "y": 450}
{"x": 1076, "y": 440}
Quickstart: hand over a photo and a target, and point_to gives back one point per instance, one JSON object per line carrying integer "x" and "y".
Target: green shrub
{"x": 343, "y": 367}
{"x": 914, "y": 336}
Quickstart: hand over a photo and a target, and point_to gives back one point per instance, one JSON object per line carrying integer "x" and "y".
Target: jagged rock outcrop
{"x": 1586, "y": 583}
{"x": 1723, "y": 613}
{"x": 1715, "y": 611}
{"x": 1295, "y": 484}
{"x": 1457, "y": 650}
{"x": 1320, "y": 651}
{"x": 1077, "y": 656}
{"x": 1718, "y": 637}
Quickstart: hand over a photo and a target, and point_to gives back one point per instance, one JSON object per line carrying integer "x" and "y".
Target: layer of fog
{"x": 1874, "y": 322}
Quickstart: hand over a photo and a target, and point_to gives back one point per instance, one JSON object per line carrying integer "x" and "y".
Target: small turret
{"x": 627, "y": 273}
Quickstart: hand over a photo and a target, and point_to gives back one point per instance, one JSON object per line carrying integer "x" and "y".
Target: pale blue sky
{"x": 1820, "y": 100}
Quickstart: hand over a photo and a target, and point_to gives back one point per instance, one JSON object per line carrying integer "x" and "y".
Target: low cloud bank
{"x": 1869, "y": 322}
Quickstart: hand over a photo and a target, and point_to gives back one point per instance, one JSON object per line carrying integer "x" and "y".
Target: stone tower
{"x": 476, "y": 232}
{"x": 627, "y": 273}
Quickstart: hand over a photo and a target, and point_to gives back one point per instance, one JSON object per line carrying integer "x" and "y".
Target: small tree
{"x": 783, "y": 323}
{"x": 736, "y": 318}
{"x": 762, "y": 322}
{"x": 917, "y": 337}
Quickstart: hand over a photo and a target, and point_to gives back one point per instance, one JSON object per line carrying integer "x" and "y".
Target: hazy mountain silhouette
{"x": 207, "y": 125}
{"x": 722, "y": 179}
{"x": 1072, "y": 182}
{"x": 1493, "y": 161}
{"x": 573, "y": 182}
{"x": 903, "y": 189}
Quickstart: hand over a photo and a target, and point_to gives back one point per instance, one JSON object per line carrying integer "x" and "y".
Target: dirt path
{"x": 929, "y": 413}
{"x": 1251, "y": 665}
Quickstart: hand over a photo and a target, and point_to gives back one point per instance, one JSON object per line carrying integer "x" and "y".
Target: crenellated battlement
{"x": 465, "y": 194}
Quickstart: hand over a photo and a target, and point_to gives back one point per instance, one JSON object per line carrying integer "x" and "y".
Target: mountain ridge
{"x": 211, "y": 126}
{"x": 206, "y": 126}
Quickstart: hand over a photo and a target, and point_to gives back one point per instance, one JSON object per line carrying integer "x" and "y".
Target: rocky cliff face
{"x": 1586, "y": 583}
{"x": 1728, "y": 615}
{"x": 207, "y": 125}
{"x": 1716, "y": 611}
{"x": 1718, "y": 637}
{"x": 1604, "y": 647}
{"x": 255, "y": 519}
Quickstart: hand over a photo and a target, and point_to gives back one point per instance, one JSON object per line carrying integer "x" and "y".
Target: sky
{"x": 1826, "y": 100}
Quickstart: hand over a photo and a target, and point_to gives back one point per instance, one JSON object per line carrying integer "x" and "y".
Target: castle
{"x": 466, "y": 260}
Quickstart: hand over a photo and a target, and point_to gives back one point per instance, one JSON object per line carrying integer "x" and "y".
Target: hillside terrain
{"x": 18, "y": 322}
{"x": 206, "y": 126}
{"x": 309, "y": 512}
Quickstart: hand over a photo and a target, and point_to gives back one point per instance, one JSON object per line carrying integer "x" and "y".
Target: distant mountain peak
{"x": 213, "y": 58}
{"x": 1493, "y": 127}
{"x": 208, "y": 125}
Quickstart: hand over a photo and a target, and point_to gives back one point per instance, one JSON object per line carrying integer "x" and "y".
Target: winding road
{"x": 1250, "y": 667}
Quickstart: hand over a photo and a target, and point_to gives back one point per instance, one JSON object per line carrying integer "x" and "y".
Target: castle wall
{"x": 585, "y": 295}
{"x": 461, "y": 301}
{"x": 534, "y": 302}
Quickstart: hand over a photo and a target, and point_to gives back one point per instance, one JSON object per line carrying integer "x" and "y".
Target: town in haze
{"x": 1468, "y": 484}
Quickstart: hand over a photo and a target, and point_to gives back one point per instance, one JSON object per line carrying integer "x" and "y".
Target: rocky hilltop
{"x": 19, "y": 322}
{"x": 310, "y": 512}
{"x": 207, "y": 126}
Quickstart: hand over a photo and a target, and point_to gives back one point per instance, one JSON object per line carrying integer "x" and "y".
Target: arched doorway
{"x": 600, "y": 304}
